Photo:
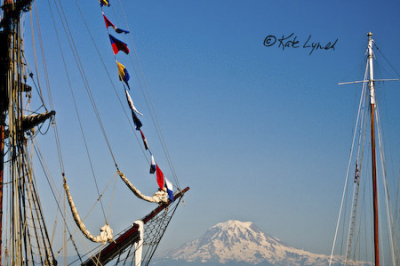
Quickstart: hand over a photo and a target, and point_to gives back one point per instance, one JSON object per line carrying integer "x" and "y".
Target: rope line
{"x": 348, "y": 169}
{"x": 389, "y": 215}
{"x": 77, "y": 114}
{"x": 149, "y": 103}
{"x": 83, "y": 76}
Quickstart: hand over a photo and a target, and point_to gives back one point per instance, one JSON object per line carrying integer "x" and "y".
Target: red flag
{"x": 160, "y": 177}
{"x": 117, "y": 45}
{"x": 144, "y": 140}
{"x": 110, "y": 24}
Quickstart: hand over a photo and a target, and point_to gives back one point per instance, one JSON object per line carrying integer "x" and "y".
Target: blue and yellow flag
{"x": 123, "y": 73}
{"x": 104, "y": 3}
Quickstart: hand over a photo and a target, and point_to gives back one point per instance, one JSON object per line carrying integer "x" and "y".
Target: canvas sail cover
{"x": 158, "y": 197}
{"x": 29, "y": 121}
{"x": 106, "y": 231}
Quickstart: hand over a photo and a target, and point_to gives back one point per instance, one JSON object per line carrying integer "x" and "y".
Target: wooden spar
{"x": 4, "y": 69}
{"x": 127, "y": 238}
{"x": 374, "y": 188}
{"x": 2, "y": 127}
{"x": 374, "y": 185}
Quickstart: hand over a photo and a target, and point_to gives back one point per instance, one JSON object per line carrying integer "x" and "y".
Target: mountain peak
{"x": 242, "y": 242}
{"x": 237, "y": 227}
{"x": 233, "y": 224}
{"x": 230, "y": 223}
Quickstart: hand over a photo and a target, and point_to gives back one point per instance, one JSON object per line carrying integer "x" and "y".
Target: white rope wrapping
{"x": 106, "y": 231}
{"x": 158, "y": 197}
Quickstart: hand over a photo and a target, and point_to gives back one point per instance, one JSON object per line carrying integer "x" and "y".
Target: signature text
{"x": 291, "y": 41}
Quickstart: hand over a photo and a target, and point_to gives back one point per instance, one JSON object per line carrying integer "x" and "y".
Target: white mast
{"x": 371, "y": 68}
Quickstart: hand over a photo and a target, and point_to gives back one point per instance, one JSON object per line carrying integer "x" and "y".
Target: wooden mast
{"x": 2, "y": 128}
{"x": 372, "y": 113}
{"x": 8, "y": 40}
{"x": 4, "y": 70}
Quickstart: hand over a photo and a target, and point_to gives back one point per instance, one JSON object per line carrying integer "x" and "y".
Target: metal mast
{"x": 372, "y": 113}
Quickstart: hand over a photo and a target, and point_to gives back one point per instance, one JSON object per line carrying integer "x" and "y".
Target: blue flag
{"x": 153, "y": 165}
{"x": 170, "y": 189}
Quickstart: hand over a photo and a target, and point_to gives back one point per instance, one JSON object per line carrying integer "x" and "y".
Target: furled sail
{"x": 160, "y": 196}
{"x": 106, "y": 231}
{"x": 30, "y": 121}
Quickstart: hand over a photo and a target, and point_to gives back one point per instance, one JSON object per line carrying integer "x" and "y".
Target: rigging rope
{"x": 148, "y": 100}
{"x": 108, "y": 74}
{"x": 384, "y": 57}
{"x": 348, "y": 168}
{"x": 99, "y": 54}
{"x": 74, "y": 100}
{"x": 53, "y": 186}
{"x": 360, "y": 153}
{"x": 83, "y": 76}
{"x": 88, "y": 89}
{"x": 398, "y": 181}
{"x": 35, "y": 57}
{"x": 388, "y": 206}
{"x": 46, "y": 74}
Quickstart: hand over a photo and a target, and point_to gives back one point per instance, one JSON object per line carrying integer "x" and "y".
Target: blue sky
{"x": 259, "y": 133}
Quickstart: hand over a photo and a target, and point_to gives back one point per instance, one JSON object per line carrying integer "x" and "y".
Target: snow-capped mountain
{"x": 241, "y": 243}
